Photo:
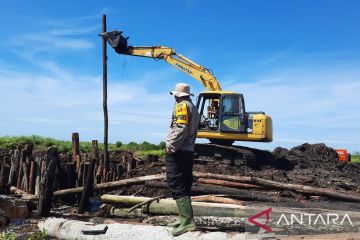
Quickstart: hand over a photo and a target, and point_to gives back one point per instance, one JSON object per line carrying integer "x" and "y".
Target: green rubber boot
{"x": 175, "y": 224}
{"x": 186, "y": 216}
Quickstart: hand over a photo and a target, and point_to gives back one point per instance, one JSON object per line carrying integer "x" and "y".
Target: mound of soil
{"x": 309, "y": 156}
{"x": 308, "y": 164}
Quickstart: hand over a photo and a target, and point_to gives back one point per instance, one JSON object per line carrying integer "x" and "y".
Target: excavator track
{"x": 233, "y": 155}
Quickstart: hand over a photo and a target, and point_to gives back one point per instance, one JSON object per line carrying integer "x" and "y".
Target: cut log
{"x": 284, "y": 186}
{"x": 228, "y": 183}
{"x": 18, "y": 192}
{"x": 168, "y": 206}
{"x": 241, "y": 179}
{"x": 47, "y": 181}
{"x": 216, "y": 199}
{"x": 308, "y": 190}
{"x": 106, "y": 186}
{"x": 211, "y": 189}
{"x": 146, "y": 202}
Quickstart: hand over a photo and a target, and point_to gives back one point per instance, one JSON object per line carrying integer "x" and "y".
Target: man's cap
{"x": 182, "y": 90}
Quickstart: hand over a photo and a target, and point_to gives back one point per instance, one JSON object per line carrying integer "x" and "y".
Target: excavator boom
{"x": 200, "y": 73}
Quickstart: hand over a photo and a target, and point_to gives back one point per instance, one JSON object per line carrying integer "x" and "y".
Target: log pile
{"x": 72, "y": 178}
{"x": 23, "y": 169}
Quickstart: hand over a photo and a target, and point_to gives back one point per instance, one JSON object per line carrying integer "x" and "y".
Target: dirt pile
{"x": 309, "y": 164}
{"x": 309, "y": 156}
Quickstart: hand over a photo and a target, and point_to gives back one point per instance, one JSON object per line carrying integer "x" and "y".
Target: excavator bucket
{"x": 116, "y": 41}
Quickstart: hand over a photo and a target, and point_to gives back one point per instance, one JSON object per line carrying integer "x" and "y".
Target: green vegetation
{"x": 42, "y": 143}
{"x": 41, "y": 235}
{"x": 8, "y": 236}
{"x": 355, "y": 157}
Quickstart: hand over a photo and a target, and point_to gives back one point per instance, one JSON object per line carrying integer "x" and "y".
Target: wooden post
{"x": 129, "y": 164}
{"x": 75, "y": 146}
{"x": 71, "y": 180}
{"x": 4, "y": 174}
{"x": 104, "y": 53}
{"x": 47, "y": 180}
{"x": 88, "y": 187}
{"x": 38, "y": 175}
{"x": 119, "y": 170}
{"x": 78, "y": 163}
{"x": 95, "y": 154}
{"x": 20, "y": 174}
{"x": 14, "y": 167}
{"x": 25, "y": 179}
{"x": 80, "y": 174}
{"x": 84, "y": 175}
{"x": 32, "y": 177}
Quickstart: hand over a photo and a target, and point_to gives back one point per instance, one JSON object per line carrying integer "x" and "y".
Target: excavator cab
{"x": 223, "y": 119}
{"x": 221, "y": 113}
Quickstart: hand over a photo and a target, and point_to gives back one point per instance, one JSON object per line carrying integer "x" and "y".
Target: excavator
{"x": 224, "y": 118}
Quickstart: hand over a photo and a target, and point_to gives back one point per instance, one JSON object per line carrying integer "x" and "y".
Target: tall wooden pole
{"x": 106, "y": 153}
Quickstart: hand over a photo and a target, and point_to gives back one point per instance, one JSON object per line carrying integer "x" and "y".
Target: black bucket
{"x": 117, "y": 41}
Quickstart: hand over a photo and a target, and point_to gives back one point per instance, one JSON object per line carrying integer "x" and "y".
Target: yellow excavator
{"x": 223, "y": 115}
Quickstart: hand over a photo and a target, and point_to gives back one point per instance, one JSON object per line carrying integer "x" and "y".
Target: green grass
{"x": 160, "y": 153}
{"x": 42, "y": 143}
{"x": 39, "y": 235}
{"x": 355, "y": 158}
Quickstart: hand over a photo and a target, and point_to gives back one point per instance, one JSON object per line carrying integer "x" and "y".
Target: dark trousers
{"x": 179, "y": 177}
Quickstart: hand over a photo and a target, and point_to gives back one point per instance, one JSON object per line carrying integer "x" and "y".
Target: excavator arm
{"x": 200, "y": 73}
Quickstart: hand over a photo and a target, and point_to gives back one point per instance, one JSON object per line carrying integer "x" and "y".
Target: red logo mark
{"x": 267, "y": 213}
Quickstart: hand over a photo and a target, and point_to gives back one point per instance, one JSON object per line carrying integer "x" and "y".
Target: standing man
{"x": 179, "y": 156}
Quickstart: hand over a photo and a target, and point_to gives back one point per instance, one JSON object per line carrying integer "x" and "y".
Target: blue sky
{"x": 299, "y": 61}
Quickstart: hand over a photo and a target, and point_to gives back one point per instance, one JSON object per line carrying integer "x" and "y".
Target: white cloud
{"x": 308, "y": 104}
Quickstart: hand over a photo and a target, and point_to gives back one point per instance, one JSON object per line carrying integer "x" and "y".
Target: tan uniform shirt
{"x": 183, "y": 128}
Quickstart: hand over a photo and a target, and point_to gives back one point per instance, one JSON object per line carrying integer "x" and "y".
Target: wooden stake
{"x": 88, "y": 186}
{"x": 104, "y": 53}
{"x": 38, "y": 175}
{"x": 25, "y": 181}
{"x": 75, "y": 146}
{"x": 21, "y": 173}
{"x": 4, "y": 174}
{"x": 47, "y": 180}
{"x": 32, "y": 177}
{"x": 14, "y": 168}
{"x": 71, "y": 180}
